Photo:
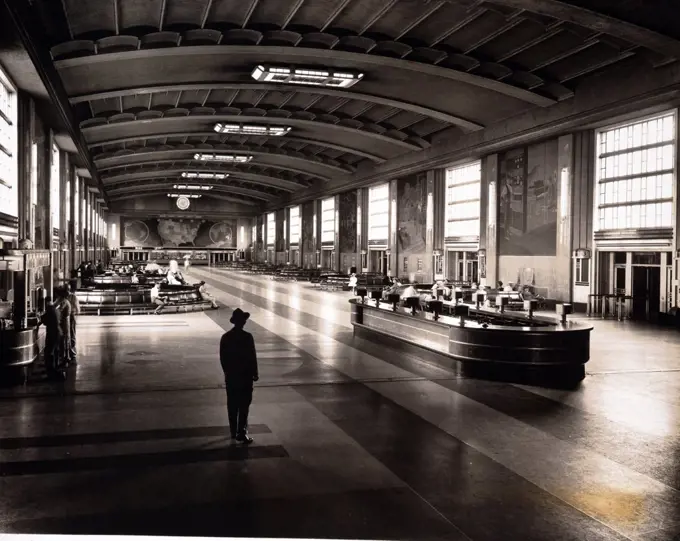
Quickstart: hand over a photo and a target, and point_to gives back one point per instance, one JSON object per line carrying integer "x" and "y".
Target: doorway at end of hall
{"x": 462, "y": 266}
{"x": 328, "y": 259}
{"x": 646, "y": 277}
{"x": 378, "y": 261}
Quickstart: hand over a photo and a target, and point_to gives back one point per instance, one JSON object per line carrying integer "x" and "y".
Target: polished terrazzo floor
{"x": 352, "y": 440}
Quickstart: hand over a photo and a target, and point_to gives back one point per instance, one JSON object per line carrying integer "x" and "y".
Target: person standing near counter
{"x": 52, "y": 339}
{"x": 64, "y": 309}
{"x": 75, "y": 312}
{"x": 239, "y": 364}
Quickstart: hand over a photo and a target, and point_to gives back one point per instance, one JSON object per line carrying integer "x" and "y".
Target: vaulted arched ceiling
{"x": 149, "y": 79}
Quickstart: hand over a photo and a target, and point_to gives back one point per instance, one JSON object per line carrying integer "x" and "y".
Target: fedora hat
{"x": 239, "y": 316}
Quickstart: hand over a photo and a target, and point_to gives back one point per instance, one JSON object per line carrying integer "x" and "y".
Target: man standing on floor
{"x": 239, "y": 364}
{"x": 75, "y": 312}
{"x": 52, "y": 340}
{"x": 64, "y": 310}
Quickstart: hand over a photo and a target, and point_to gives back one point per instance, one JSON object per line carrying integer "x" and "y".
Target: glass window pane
{"x": 463, "y": 189}
{"x": 626, "y": 199}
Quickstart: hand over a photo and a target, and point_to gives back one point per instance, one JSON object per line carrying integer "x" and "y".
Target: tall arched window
{"x": 295, "y": 225}
{"x": 636, "y": 174}
{"x": 9, "y": 201}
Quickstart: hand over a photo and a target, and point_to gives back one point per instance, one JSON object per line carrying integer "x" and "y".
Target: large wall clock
{"x": 183, "y": 203}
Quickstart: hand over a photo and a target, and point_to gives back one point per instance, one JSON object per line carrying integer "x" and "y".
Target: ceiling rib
{"x": 382, "y": 11}
{"x": 292, "y": 13}
{"x": 550, "y": 32}
{"x": 68, "y": 19}
{"x": 252, "y": 178}
{"x": 249, "y": 13}
{"x": 599, "y": 23}
{"x": 338, "y": 10}
{"x": 161, "y": 15}
{"x": 217, "y": 52}
{"x": 295, "y": 122}
{"x": 116, "y": 16}
{"x": 566, "y": 54}
{"x": 289, "y": 138}
{"x": 452, "y": 30}
{"x": 425, "y": 111}
{"x": 436, "y": 6}
{"x": 493, "y": 35}
{"x": 165, "y": 186}
{"x": 189, "y": 164}
{"x": 599, "y": 65}
{"x": 206, "y": 13}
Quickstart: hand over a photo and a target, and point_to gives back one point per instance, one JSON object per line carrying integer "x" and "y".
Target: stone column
{"x": 489, "y": 258}
{"x": 25, "y": 226}
{"x": 48, "y": 273}
{"x": 64, "y": 175}
{"x": 286, "y": 234}
{"x": 336, "y": 240}
{"x": 362, "y": 229}
{"x": 563, "y": 263}
{"x": 392, "y": 244}
{"x": 82, "y": 254}
{"x": 317, "y": 233}
{"x": 83, "y": 222}
{"x": 428, "y": 263}
{"x": 439, "y": 233}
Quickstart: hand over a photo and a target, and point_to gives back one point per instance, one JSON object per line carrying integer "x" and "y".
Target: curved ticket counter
{"x": 136, "y": 299}
{"x": 486, "y": 344}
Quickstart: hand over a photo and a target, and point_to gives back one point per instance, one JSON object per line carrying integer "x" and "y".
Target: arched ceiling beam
{"x": 598, "y": 22}
{"x": 132, "y": 194}
{"x": 253, "y": 55}
{"x": 305, "y": 140}
{"x": 166, "y": 186}
{"x": 343, "y": 94}
{"x": 262, "y": 180}
{"x": 280, "y": 159}
{"x": 158, "y": 127}
{"x": 193, "y": 165}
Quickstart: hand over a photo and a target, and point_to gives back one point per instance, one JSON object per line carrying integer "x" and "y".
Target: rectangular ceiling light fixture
{"x": 304, "y": 76}
{"x": 230, "y": 158}
{"x": 252, "y": 129}
{"x": 188, "y": 195}
{"x": 191, "y": 187}
{"x": 211, "y": 176}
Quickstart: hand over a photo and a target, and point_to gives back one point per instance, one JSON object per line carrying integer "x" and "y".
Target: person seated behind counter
{"x": 173, "y": 276}
{"x": 410, "y": 291}
{"x": 441, "y": 285}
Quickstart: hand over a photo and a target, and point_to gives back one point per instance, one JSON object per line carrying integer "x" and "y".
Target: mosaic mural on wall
{"x": 412, "y": 216}
{"x": 179, "y": 233}
{"x": 527, "y": 203}
{"x": 348, "y": 222}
